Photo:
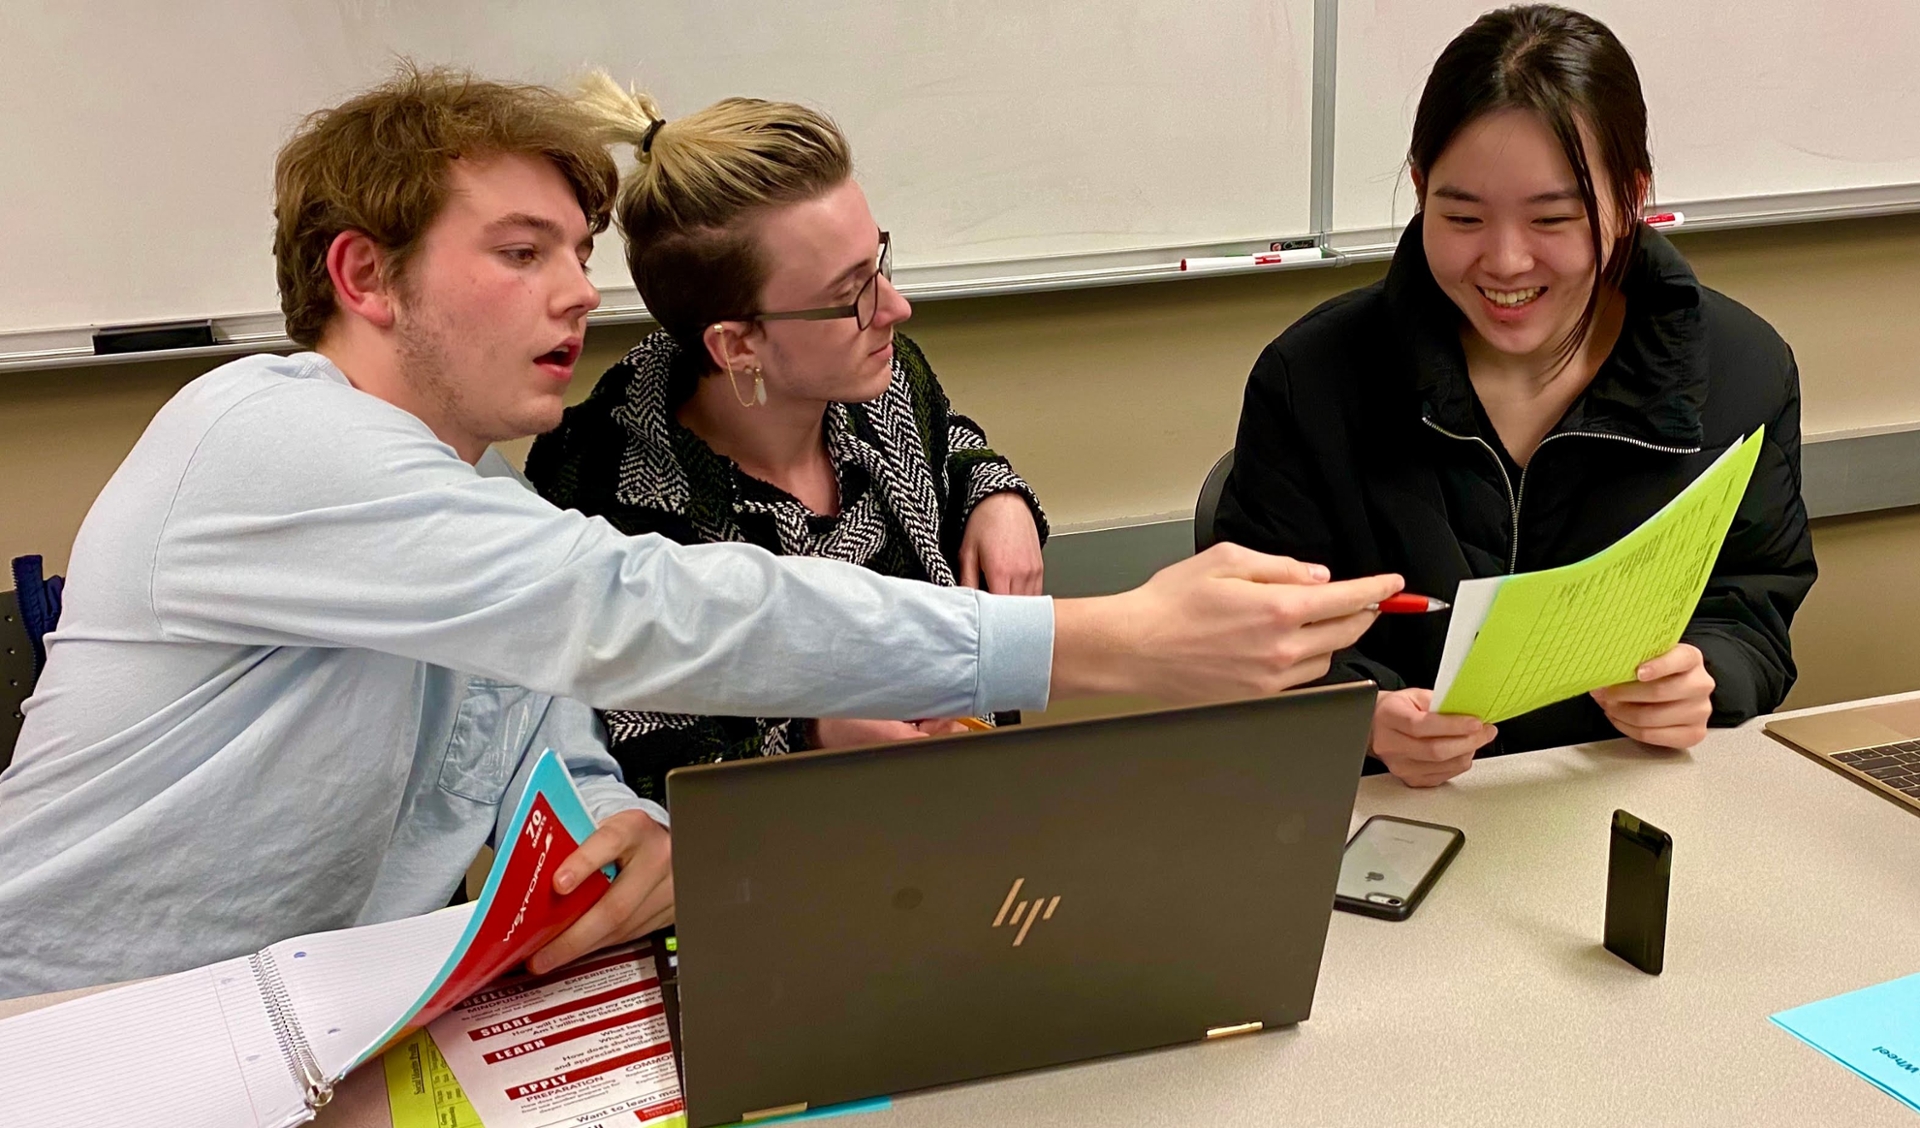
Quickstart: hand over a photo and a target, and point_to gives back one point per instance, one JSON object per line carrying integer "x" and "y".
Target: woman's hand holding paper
{"x": 1670, "y": 703}
{"x": 1420, "y": 747}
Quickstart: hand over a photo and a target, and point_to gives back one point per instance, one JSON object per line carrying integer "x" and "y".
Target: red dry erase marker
{"x": 1405, "y": 604}
{"x": 1666, "y": 219}
{"x": 1264, "y": 258}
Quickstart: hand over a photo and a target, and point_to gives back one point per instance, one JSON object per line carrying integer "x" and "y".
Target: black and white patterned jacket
{"x": 910, "y": 470}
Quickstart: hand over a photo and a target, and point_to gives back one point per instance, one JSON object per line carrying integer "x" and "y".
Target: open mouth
{"x": 561, "y": 356}
{"x": 1512, "y": 299}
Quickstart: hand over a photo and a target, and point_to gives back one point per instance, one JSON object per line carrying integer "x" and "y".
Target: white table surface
{"x": 1496, "y": 1004}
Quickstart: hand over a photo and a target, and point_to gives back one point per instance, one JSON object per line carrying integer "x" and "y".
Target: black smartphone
{"x": 1639, "y": 869}
{"x": 1391, "y": 863}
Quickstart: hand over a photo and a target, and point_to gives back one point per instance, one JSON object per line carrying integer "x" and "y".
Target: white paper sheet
{"x": 350, "y": 986}
{"x": 120, "y": 1056}
{"x": 1470, "y": 606}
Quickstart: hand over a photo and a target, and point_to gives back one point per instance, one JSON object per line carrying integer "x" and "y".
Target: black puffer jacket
{"x": 1363, "y": 446}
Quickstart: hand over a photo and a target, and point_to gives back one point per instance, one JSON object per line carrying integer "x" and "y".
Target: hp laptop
{"x": 870, "y": 921}
{"x": 1877, "y": 746}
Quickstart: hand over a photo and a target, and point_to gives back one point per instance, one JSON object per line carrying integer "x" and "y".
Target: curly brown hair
{"x": 379, "y": 164}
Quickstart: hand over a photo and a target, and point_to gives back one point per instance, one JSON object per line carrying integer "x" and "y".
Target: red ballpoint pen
{"x": 1405, "y": 604}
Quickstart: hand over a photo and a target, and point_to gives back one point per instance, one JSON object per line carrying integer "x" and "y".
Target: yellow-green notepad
{"x": 1519, "y": 642}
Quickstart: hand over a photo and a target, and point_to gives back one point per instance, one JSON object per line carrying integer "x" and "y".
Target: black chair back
{"x": 16, "y": 674}
{"x": 1209, "y": 503}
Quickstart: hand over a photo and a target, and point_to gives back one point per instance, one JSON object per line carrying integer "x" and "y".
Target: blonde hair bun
{"x": 687, "y": 209}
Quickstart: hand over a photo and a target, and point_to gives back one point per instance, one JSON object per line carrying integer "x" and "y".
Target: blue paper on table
{"x": 1874, "y": 1031}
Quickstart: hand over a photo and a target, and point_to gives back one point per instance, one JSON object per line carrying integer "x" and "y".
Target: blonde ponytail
{"x": 686, "y": 209}
{"x": 626, "y": 116}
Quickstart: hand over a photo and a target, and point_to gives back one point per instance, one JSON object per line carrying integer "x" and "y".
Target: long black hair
{"x": 1571, "y": 71}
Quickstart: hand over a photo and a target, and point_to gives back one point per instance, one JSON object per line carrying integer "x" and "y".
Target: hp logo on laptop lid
{"x": 1029, "y": 910}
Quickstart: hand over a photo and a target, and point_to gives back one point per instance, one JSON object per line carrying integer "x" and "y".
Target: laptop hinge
{"x": 777, "y": 1110}
{"x": 1236, "y": 1028}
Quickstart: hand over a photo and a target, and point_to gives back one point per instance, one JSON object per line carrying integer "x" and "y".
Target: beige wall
{"x": 1858, "y": 634}
{"x": 1114, "y": 403}
{"x": 62, "y": 433}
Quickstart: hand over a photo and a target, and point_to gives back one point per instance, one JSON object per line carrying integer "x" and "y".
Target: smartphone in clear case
{"x": 1391, "y": 863}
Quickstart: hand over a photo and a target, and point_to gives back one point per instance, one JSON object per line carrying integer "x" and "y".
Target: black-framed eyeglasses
{"x": 865, "y": 304}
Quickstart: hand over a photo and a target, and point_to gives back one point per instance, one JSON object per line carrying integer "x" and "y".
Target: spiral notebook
{"x": 259, "y": 1041}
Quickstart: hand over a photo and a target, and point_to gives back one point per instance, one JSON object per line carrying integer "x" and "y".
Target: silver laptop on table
{"x": 1876, "y": 746}
{"x": 871, "y": 921}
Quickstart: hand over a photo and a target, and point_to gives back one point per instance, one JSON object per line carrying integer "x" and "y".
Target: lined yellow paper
{"x": 1551, "y": 635}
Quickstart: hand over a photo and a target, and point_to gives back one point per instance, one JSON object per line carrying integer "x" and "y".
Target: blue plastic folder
{"x": 1874, "y": 1031}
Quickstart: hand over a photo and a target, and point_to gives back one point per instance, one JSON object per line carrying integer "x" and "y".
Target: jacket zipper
{"x": 1515, "y": 497}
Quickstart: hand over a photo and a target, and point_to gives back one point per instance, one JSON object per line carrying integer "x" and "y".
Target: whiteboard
{"x": 1745, "y": 98}
{"x": 138, "y": 139}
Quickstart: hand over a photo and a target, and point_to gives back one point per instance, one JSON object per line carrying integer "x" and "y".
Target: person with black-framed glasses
{"x": 801, "y": 420}
{"x": 864, "y": 307}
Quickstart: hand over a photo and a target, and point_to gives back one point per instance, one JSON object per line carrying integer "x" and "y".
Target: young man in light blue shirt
{"x": 314, "y": 627}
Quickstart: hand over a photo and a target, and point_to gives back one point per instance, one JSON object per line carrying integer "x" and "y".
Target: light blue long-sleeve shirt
{"x": 306, "y": 651}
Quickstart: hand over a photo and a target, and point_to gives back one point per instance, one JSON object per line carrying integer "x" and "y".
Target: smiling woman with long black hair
{"x": 1538, "y": 373}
